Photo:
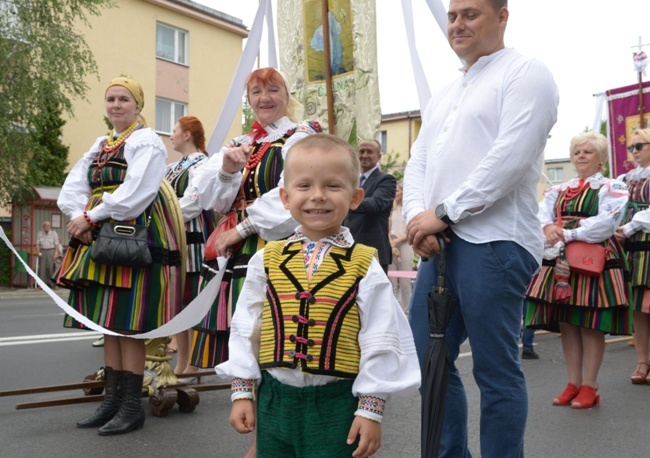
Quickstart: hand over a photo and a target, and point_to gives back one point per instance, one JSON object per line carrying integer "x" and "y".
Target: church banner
{"x": 353, "y": 58}
{"x": 624, "y": 118}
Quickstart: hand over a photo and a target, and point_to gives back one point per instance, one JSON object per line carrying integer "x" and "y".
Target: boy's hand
{"x": 242, "y": 416}
{"x": 370, "y": 436}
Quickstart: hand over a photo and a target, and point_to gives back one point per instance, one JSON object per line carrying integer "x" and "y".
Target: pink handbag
{"x": 586, "y": 258}
{"x": 227, "y": 222}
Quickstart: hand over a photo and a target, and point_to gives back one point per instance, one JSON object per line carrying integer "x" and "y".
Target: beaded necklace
{"x": 257, "y": 156}
{"x": 112, "y": 146}
{"x": 570, "y": 194}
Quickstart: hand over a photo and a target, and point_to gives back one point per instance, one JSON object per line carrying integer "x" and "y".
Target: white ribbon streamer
{"x": 187, "y": 318}
{"x": 273, "y": 53}
{"x": 440, "y": 14}
{"x": 244, "y": 67}
{"x": 421, "y": 84}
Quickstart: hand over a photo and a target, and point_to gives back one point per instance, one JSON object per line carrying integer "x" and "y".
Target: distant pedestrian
{"x": 48, "y": 245}
{"x": 402, "y": 252}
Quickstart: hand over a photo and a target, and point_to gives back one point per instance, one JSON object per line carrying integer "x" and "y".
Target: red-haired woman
{"x": 188, "y": 138}
{"x": 243, "y": 178}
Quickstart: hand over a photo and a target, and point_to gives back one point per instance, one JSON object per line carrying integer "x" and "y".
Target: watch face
{"x": 440, "y": 211}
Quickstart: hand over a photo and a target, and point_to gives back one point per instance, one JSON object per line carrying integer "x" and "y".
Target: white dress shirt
{"x": 480, "y": 150}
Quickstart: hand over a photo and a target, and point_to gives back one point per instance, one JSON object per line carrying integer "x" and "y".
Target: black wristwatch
{"x": 441, "y": 214}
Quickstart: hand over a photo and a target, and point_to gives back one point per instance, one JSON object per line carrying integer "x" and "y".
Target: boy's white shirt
{"x": 388, "y": 362}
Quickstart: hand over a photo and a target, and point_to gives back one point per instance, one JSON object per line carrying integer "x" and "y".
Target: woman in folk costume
{"x": 582, "y": 308}
{"x": 119, "y": 179}
{"x": 635, "y": 234}
{"x": 188, "y": 138}
{"x": 241, "y": 182}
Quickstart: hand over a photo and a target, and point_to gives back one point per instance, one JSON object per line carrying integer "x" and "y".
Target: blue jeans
{"x": 527, "y": 334}
{"x": 489, "y": 280}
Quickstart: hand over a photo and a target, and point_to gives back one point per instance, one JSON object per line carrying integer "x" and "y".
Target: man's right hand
{"x": 421, "y": 231}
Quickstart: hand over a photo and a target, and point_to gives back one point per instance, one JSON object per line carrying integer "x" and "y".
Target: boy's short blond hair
{"x": 329, "y": 144}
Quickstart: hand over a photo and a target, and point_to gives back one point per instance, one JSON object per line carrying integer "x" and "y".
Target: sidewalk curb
{"x": 21, "y": 293}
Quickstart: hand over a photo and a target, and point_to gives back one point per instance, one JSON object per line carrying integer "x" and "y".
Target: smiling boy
{"x": 317, "y": 327}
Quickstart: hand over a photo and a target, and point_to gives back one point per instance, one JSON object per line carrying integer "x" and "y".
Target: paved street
{"x": 618, "y": 428}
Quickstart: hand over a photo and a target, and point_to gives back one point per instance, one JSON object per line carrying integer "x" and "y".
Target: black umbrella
{"x": 436, "y": 360}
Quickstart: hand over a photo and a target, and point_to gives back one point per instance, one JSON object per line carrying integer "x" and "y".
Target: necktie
{"x": 362, "y": 180}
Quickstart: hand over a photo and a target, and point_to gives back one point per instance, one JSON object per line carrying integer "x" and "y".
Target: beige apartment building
{"x": 182, "y": 53}
{"x": 397, "y": 133}
{"x": 555, "y": 171}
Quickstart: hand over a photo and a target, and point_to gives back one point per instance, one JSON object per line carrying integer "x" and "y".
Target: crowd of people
{"x": 307, "y": 323}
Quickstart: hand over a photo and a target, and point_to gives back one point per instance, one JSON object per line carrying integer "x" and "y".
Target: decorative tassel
{"x": 562, "y": 292}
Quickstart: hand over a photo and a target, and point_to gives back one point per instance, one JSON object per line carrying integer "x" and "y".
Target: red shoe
{"x": 588, "y": 397}
{"x": 570, "y": 392}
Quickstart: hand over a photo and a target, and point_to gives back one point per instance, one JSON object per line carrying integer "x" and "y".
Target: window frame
{"x": 382, "y": 139}
{"x": 177, "y": 32}
{"x": 173, "y": 116}
{"x": 553, "y": 173}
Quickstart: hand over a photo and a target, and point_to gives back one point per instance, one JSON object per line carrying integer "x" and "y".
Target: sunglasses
{"x": 636, "y": 146}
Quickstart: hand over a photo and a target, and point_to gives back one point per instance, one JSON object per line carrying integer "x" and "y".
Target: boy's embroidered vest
{"x": 313, "y": 324}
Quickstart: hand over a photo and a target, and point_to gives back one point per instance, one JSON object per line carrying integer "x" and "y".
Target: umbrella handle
{"x": 442, "y": 262}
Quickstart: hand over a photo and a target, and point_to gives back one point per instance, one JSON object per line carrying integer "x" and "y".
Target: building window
{"x": 171, "y": 44}
{"x": 382, "y": 138}
{"x": 555, "y": 174}
{"x": 167, "y": 113}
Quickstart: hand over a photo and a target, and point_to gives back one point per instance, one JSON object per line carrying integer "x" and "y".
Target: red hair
{"x": 266, "y": 76}
{"x": 192, "y": 125}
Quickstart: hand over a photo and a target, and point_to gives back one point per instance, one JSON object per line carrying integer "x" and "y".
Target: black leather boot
{"x": 113, "y": 394}
{"x": 131, "y": 414}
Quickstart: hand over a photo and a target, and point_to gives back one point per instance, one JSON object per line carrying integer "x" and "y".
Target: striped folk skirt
{"x": 124, "y": 298}
{"x": 210, "y": 337}
{"x": 599, "y": 303}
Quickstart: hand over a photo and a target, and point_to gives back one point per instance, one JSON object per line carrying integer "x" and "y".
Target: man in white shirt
{"x": 473, "y": 173}
{"x": 47, "y": 241}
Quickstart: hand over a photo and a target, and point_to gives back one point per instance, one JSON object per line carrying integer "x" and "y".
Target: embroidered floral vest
{"x": 314, "y": 324}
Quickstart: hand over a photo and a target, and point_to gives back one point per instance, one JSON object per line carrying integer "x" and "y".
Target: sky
{"x": 586, "y": 44}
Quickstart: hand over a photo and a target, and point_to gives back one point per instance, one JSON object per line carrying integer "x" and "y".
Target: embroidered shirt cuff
{"x": 629, "y": 229}
{"x": 570, "y": 235}
{"x": 226, "y": 177}
{"x": 371, "y": 407}
{"x": 246, "y": 229}
{"x": 241, "y": 388}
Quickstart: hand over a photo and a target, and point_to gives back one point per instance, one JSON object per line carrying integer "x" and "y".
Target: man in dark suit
{"x": 369, "y": 222}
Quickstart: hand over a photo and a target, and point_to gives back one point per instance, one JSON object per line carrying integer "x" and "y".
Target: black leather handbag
{"x": 122, "y": 244}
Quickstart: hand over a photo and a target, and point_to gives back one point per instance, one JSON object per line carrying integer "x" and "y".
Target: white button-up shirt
{"x": 480, "y": 150}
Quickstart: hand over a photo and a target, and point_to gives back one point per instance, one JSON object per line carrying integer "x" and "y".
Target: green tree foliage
{"x": 391, "y": 164}
{"x": 43, "y": 65}
{"x": 248, "y": 116}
